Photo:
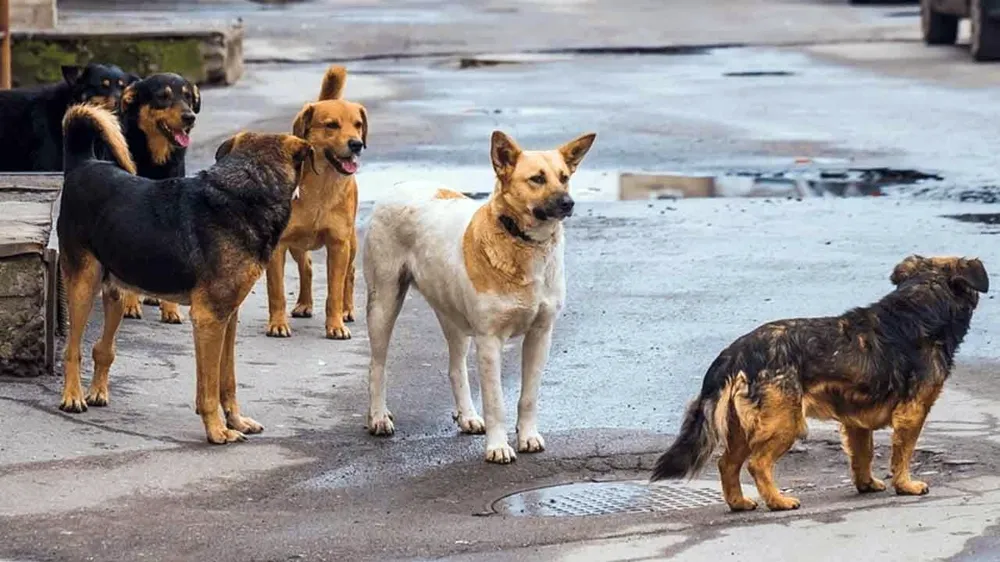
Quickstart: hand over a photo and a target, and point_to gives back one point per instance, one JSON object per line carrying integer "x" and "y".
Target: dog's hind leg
{"x": 386, "y": 292}
{"x": 534, "y": 355}
{"x": 735, "y": 453}
{"x": 772, "y": 430}
{"x": 907, "y": 422}
{"x": 465, "y": 415}
{"x": 82, "y": 281}
{"x": 860, "y": 448}
{"x": 104, "y": 349}
{"x": 227, "y": 384}
{"x": 304, "y": 305}
{"x": 489, "y": 350}
{"x": 131, "y": 305}
{"x": 277, "y": 319}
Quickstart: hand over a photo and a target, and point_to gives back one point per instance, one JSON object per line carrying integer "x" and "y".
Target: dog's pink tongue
{"x": 182, "y": 139}
{"x": 350, "y": 166}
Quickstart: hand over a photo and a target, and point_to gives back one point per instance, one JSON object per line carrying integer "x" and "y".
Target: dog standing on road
{"x": 202, "y": 241}
{"x": 490, "y": 271}
{"x": 158, "y": 113}
{"x": 326, "y": 212}
{"x": 871, "y": 367}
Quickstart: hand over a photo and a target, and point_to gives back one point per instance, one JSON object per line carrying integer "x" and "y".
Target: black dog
{"x": 31, "y": 118}
{"x": 158, "y": 113}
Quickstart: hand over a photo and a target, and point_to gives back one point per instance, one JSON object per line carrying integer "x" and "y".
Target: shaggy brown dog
{"x": 872, "y": 367}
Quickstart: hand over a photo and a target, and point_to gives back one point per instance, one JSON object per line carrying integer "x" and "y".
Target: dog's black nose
{"x": 565, "y": 203}
{"x": 188, "y": 118}
{"x": 355, "y": 146}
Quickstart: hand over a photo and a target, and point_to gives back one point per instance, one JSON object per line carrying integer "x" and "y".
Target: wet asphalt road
{"x": 655, "y": 290}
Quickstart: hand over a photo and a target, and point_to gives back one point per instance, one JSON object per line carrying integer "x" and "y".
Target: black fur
{"x": 150, "y": 92}
{"x": 31, "y": 118}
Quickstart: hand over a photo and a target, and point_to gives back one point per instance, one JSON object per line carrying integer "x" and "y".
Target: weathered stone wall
{"x": 32, "y": 14}
{"x": 22, "y": 315}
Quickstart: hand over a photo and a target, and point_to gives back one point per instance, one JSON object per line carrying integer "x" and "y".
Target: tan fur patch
{"x": 333, "y": 83}
{"x": 495, "y": 262}
{"x": 110, "y": 131}
{"x": 160, "y": 147}
{"x": 448, "y": 194}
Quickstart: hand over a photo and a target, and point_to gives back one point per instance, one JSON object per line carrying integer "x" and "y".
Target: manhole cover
{"x": 604, "y": 498}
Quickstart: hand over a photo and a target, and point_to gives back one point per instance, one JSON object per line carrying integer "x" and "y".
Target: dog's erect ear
{"x": 905, "y": 269}
{"x": 128, "y": 97}
{"x": 333, "y": 83}
{"x": 504, "y": 153}
{"x": 131, "y": 78}
{"x": 364, "y": 127}
{"x": 71, "y": 74}
{"x": 973, "y": 274}
{"x": 195, "y": 98}
{"x": 300, "y": 127}
{"x": 225, "y": 148}
{"x": 574, "y": 151}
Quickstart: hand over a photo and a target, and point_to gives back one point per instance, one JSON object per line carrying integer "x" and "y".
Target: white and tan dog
{"x": 490, "y": 271}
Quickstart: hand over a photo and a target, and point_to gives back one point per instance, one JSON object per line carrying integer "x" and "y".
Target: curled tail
{"x": 333, "y": 83}
{"x": 83, "y": 127}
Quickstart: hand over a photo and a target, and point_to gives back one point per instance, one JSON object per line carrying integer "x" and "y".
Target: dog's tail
{"x": 333, "y": 83}
{"x": 705, "y": 425}
{"x": 89, "y": 130}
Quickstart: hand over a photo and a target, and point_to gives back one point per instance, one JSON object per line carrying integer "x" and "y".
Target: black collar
{"x": 511, "y": 227}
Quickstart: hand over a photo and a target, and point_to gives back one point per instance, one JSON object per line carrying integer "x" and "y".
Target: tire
{"x": 938, "y": 28}
{"x": 985, "y": 42}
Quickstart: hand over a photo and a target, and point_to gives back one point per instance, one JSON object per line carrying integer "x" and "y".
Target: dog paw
{"x": 133, "y": 310}
{"x": 243, "y": 424}
{"x": 170, "y": 316}
{"x": 500, "y": 454}
{"x": 471, "y": 424}
{"x": 151, "y": 301}
{"x": 302, "y": 311}
{"x": 530, "y": 443}
{"x": 73, "y": 403}
{"x": 348, "y": 316}
{"x": 224, "y": 436}
{"x": 380, "y": 424}
{"x": 278, "y": 330}
{"x": 338, "y": 333}
{"x": 874, "y": 485}
{"x": 743, "y": 504}
{"x": 783, "y": 503}
{"x": 97, "y": 398}
{"x": 912, "y": 488}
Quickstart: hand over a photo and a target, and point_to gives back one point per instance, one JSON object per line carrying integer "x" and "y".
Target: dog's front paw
{"x": 97, "y": 397}
{"x": 500, "y": 454}
{"x": 912, "y": 488}
{"x": 132, "y": 309}
{"x": 338, "y": 333}
{"x": 380, "y": 423}
{"x": 302, "y": 310}
{"x": 279, "y": 329}
{"x": 783, "y": 503}
{"x": 530, "y": 443}
{"x": 222, "y": 436}
{"x": 874, "y": 485}
{"x": 470, "y": 423}
{"x": 743, "y": 504}
{"x": 73, "y": 402}
{"x": 243, "y": 424}
{"x": 170, "y": 314}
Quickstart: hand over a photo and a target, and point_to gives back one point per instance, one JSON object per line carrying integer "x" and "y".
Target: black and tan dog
{"x": 158, "y": 113}
{"x": 31, "y": 118}
{"x": 872, "y": 367}
{"x": 202, "y": 241}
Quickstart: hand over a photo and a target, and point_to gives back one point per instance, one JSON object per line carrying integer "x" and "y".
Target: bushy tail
{"x": 694, "y": 446}
{"x": 87, "y": 127}
{"x": 333, "y": 83}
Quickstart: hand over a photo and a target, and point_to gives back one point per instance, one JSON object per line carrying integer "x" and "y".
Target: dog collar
{"x": 511, "y": 227}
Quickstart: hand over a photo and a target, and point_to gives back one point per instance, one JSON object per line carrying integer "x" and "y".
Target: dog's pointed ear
{"x": 574, "y": 151}
{"x": 972, "y": 273}
{"x": 300, "y": 127}
{"x": 905, "y": 269}
{"x": 225, "y": 148}
{"x": 364, "y": 127}
{"x": 131, "y": 78}
{"x": 333, "y": 83}
{"x": 504, "y": 153}
{"x": 128, "y": 97}
{"x": 71, "y": 74}
{"x": 195, "y": 98}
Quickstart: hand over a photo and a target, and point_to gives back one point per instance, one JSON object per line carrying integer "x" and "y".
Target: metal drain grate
{"x": 604, "y": 498}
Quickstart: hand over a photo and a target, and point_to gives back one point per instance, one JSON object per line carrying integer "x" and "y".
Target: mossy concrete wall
{"x": 204, "y": 57}
{"x": 22, "y": 315}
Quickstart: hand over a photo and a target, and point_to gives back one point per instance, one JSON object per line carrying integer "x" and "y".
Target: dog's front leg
{"x": 907, "y": 422}
{"x": 209, "y": 343}
{"x": 277, "y": 321}
{"x": 489, "y": 349}
{"x": 534, "y": 354}
{"x": 338, "y": 258}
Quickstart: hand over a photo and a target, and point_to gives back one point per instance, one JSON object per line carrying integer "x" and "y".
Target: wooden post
{"x": 5, "y": 45}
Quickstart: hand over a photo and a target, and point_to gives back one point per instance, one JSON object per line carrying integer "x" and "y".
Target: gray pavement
{"x": 655, "y": 290}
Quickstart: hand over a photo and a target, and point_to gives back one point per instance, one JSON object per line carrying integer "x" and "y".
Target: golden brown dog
{"x": 871, "y": 367}
{"x": 205, "y": 241}
{"x": 325, "y": 213}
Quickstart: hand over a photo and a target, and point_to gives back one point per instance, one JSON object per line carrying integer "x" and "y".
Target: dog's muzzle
{"x": 558, "y": 207}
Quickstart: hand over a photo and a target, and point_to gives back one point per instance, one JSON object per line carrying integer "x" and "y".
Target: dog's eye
{"x": 121, "y": 84}
{"x": 358, "y": 125}
{"x": 538, "y": 178}
{"x": 563, "y": 178}
{"x": 333, "y": 125}
{"x": 106, "y": 83}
